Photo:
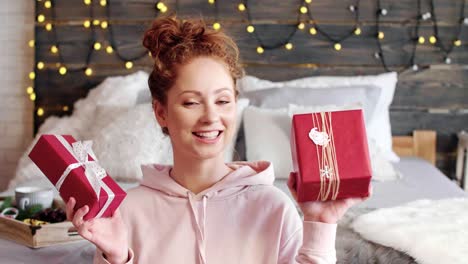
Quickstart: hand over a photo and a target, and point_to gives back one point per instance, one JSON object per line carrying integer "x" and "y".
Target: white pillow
{"x": 379, "y": 130}
{"x": 267, "y": 133}
{"x": 242, "y": 103}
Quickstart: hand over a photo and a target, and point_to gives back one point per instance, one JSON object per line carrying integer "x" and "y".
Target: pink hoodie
{"x": 241, "y": 219}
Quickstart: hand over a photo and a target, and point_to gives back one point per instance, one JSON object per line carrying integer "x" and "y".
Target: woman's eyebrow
{"x": 200, "y": 94}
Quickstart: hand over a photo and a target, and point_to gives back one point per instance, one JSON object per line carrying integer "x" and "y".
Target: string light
{"x": 54, "y": 49}
{"x": 352, "y": 8}
{"x": 465, "y": 21}
{"x": 301, "y": 26}
{"x": 97, "y": 46}
{"x": 63, "y": 70}
{"x": 289, "y": 46}
{"x": 129, "y": 65}
{"x": 40, "y": 18}
{"x": 432, "y": 39}
{"x": 313, "y": 31}
{"x": 32, "y": 97}
{"x": 30, "y": 90}
{"x": 415, "y": 67}
{"x": 161, "y": 7}
{"x": 211, "y": 2}
{"x": 96, "y": 22}
{"x": 48, "y": 26}
{"x": 40, "y": 65}
{"x": 47, "y": 4}
{"x": 260, "y": 50}
{"x": 250, "y": 28}
{"x": 104, "y": 24}
{"x": 357, "y": 31}
{"x": 103, "y": 2}
{"x": 303, "y": 10}
{"x": 32, "y": 75}
{"x": 40, "y": 111}
{"x": 421, "y": 40}
{"x": 308, "y": 1}
{"x": 216, "y": 25}
{"x": 31, "y": 43}
{"x": 337, "y": 46}
{"x": 448, "y": 60}
{"x": 457, "y": 43}
{"x": 87, "y": 24}
{"x": 383, "y": 12}
{"x": 109, "y": 49}
{"x": 65, "y": 108}
{"x": 88, "y": 71}
{"x": 87, "y": 2}
{"x": 241, "y": 7}
{"x": 381, "y": 35}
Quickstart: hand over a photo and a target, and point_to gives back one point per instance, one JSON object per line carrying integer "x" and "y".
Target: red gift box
{"x": 330, "y": 156}
{"x": 71, "y": 166}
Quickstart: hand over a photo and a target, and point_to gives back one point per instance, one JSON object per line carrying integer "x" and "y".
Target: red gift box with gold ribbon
{"x": 330, "y": 156}
{"x": 72, "y": 167}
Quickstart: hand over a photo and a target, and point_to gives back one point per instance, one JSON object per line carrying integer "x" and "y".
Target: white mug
{"x": 28, "y": 196}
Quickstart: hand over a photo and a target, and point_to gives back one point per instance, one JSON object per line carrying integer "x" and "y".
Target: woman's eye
{"x": 189, "y": 103}
{"x": 223, "y": 102}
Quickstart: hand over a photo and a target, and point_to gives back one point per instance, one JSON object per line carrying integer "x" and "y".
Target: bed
{"x": 404, "y": 173}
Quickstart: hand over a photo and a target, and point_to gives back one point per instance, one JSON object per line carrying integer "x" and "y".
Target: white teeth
{"x": 209, "y": 135}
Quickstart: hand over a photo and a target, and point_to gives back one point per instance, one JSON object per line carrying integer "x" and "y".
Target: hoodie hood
{"x": 244, "y": 174}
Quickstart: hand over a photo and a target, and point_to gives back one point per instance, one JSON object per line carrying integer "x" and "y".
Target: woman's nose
{"x": 210, "y": 114}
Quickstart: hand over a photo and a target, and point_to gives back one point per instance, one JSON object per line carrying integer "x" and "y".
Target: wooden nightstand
{"x": 462, "y": 160}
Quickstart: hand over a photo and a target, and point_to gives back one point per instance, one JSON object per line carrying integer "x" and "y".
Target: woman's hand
{"x": 327, "y": 211}
{"x": 108, "y": 234}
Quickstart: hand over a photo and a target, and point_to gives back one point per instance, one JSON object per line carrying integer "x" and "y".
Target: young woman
{"x": 202, "y": 210}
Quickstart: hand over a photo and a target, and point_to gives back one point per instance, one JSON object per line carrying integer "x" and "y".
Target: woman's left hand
{"x": 327, "y": 211}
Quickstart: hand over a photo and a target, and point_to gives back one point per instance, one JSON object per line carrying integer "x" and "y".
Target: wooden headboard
{"x": 421, "y": 144}
{"x": 435, "y": 97}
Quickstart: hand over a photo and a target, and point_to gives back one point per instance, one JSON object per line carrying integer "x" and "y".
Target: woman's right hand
{"x": 108, "y": 234}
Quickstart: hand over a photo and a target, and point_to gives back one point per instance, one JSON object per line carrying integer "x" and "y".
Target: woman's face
{"x": 201, "y": 109}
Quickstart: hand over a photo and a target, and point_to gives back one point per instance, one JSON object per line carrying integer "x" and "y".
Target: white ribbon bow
{"x": 319, "y": 138}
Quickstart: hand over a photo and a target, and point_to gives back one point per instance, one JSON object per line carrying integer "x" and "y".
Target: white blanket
{"x": 431, "y": 231}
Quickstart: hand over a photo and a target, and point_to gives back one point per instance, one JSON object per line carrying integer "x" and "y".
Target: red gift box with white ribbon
{"x": 330, "y": 156}
{"x": 72, "y": 167}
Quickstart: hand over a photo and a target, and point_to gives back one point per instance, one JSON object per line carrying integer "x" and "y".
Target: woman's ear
{"x": 160, "y": 113}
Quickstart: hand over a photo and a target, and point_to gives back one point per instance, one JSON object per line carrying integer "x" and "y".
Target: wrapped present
{"x": 330, "y": 156}
{"x": 72, "y": 167}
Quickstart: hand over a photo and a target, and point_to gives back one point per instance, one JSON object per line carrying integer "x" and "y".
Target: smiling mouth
{"x": 208, "y": 135}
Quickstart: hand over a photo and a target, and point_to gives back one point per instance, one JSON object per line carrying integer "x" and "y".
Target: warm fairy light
{"x": 103, "y": 2}
{"x": 109, "y": 49}
{"x": 87, "y": 24}
{"x": 260, "y": 50}
{"x": 421, "y": 40}
{"x": 32, "y": 97}
{"x": 211, "y": 1}
{"x": 30, "y": 90}
{"x": 65, "y": 108}
{"x": 96, "y": 22}
{"x": 104, "y": 24}
{"x": 301, "y": 26}
{"x": 129, "y": 65}
{"x": 241, "y": 7}
{"x": 32, "y": 75}
{"x": 357, "y": 31}
{"x": 63, "y": 70}
{"x": 432, "y": 39}
{"x": 381, "y": 35}
{"x": 41, "y": 18}
{"x": 87, "y": 2}
{"x": 288, "y": 46}
{"x": 303, "y": 10}
{"x": 337, "y": 46}
{"x": 40, "y": 111}
{"x": 54, "y": 49}
{"x": 97, "y": 46}
{"x": 31, "y": 43}
{"x": 216, "y": 25}
{"x": 88, "y": 71}
{"x": 308, "y": 1}
{"x": 164, "y": 9}
{"x": 250, "y": 29}
{"x": 313, "y": 31}
{"x": 40, "y": 65}
{"x": 47, "y": 4}
{"x": 48, "y": 26}
{"x": 160, "y": 5}
{"x": 457, "y": 43}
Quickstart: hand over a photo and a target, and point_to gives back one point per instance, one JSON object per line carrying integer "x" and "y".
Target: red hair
{"x": 173, "y": 42}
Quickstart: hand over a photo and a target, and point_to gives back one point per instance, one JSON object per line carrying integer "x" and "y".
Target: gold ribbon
{"x": 322, "y": 135}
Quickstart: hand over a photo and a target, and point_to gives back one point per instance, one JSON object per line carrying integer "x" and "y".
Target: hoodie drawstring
{"x": 200, "y": 228}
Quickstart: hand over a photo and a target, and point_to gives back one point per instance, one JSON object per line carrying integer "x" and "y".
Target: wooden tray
{"x": 38, "y": 236}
